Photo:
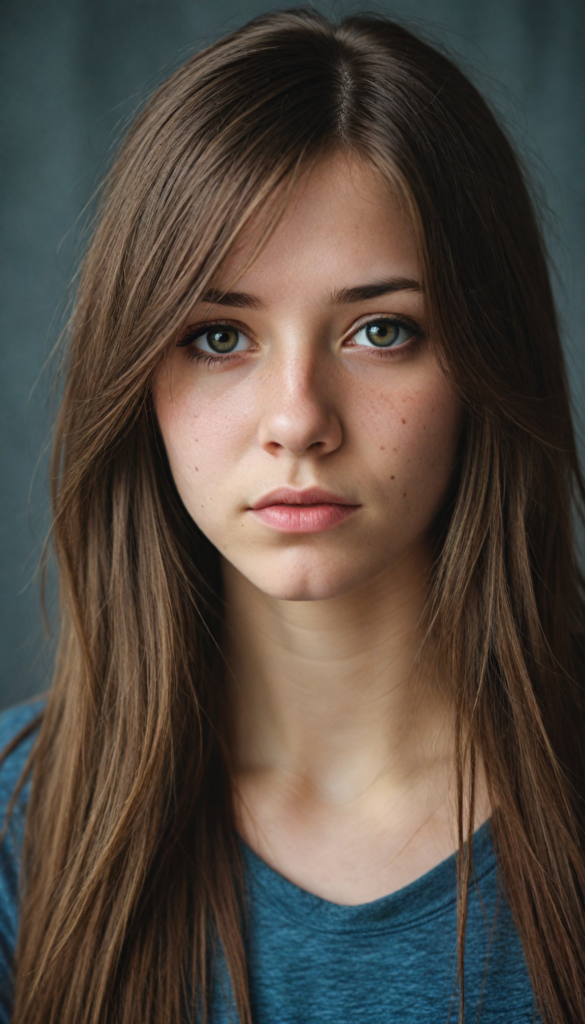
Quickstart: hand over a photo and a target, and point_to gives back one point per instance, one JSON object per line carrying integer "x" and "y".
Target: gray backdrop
{"x": 73, "y": 71}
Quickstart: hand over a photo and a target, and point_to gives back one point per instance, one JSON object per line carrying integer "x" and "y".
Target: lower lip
{"x": 304, "y": 518}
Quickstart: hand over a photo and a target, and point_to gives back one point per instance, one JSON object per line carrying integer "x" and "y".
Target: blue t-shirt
{"x": 391, "y": 961}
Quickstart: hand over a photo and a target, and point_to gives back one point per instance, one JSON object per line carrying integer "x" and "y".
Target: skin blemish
{"x": 392, "y": 478}
{"x": 404, "y": 421}
{"x": 382, "y": 448}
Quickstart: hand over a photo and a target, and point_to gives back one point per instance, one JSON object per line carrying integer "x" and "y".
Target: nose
{"x": 298, "y": 410}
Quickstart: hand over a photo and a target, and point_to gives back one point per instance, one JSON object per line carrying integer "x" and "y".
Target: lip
{"x": 307, "y": 496}
{"x": 312, "y": 510}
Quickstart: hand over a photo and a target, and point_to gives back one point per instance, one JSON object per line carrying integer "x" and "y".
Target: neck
{"x": 332, "y": 693}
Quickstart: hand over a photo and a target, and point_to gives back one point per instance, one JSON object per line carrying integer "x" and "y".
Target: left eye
{"x": 383, "y": 334}
{"x": 218, "y": 339}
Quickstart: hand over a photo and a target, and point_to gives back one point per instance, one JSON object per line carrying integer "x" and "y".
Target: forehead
{"x": 344, "y": 223}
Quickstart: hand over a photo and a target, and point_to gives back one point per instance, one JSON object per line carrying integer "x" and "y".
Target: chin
{"x": 308, "y": 583}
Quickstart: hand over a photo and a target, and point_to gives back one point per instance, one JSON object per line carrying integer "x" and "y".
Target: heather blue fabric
{"x": 392, "y": 961}
{"x": 11, "y": 722}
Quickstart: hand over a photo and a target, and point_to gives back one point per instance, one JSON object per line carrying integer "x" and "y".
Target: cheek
{"x": 204, "y": 434}
{"x": 412, "y": 437}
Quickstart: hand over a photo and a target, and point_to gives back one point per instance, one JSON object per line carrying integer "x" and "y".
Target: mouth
{"x": 312, "y": 510}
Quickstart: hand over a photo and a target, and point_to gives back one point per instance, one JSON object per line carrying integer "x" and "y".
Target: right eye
{"x": 216, "y": 339}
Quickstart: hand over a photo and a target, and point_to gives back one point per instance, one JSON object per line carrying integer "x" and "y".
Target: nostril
{"x": 273, "y": 447}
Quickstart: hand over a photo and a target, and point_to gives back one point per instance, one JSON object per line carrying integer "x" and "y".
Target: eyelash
{"x": 210, "y": 359}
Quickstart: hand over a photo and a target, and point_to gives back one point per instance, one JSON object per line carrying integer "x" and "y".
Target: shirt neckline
{"x": 429, "y": 896}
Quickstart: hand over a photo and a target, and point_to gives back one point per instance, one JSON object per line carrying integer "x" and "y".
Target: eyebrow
{"x": 362, "y": 292}
{"x": 345, "y": 296}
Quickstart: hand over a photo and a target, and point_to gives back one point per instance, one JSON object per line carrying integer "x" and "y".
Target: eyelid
{"x": 196, "y": 330}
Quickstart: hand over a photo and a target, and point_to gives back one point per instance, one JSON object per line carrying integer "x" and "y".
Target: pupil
{"x": 222, "y": 341}
{"x": 382, "y": 334}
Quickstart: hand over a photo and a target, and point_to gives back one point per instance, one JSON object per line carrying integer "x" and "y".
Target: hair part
{"x": 130, "y": 855}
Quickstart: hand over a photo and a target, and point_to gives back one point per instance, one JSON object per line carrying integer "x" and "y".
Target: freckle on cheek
{"x": 382, "y": 448}
{"x": 392, "y": 478}
{"x": 404, "y": 421}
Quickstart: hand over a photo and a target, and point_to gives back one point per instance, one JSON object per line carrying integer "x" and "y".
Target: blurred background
{"x": 73, "y": 72}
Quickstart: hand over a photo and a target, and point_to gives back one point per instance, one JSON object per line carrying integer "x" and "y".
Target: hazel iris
{"x": 382, "y": 333}
{"x": 222, "y": 339}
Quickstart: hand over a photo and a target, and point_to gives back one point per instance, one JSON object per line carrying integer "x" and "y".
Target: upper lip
{"x": 307, "y": 496}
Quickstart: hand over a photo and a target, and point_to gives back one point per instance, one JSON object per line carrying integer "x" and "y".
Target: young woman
{"x": 314, "y": 746}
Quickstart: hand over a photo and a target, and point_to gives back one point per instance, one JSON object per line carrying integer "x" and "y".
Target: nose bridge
{"x": 299, "y": 413}
{"x": 298, "y": 373}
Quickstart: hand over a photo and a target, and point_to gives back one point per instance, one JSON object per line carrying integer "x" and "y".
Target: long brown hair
{"x": 130, "y": 865}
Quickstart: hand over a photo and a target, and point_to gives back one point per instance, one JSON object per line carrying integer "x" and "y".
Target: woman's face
{"x": 310, "y": 431}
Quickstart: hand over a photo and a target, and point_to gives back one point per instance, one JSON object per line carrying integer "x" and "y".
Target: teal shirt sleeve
{"x": 11, "y": 722}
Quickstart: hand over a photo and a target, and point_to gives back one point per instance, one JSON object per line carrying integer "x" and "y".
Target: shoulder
{"x": 13, "y": 719}
{"x": 14, "y": 752}
{"x": 12, "y": 722}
